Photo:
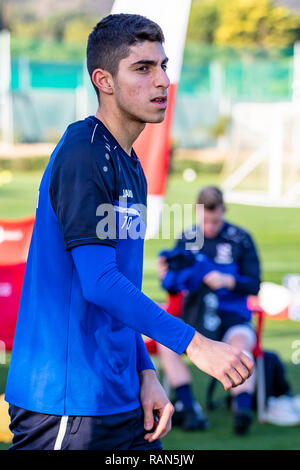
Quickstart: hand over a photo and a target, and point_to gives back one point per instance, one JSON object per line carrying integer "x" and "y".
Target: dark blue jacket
{"x": 233, "y": 252}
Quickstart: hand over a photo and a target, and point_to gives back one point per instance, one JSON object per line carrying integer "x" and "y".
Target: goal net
{"x": 263, "y": 164}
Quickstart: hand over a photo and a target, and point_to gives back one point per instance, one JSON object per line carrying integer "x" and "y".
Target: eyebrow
{"x": 149, "y": 62}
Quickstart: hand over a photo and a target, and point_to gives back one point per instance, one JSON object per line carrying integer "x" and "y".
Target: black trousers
{"x": 37, "y": 431}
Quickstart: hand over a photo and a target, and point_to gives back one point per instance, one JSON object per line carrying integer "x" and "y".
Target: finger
{"x": 226, "y": 382}
{"x": 209, "y": 276}
{"x": 234, "y": 376}
{"x": 238, "y": 365}
{"x": 242, "y": 370}
{"x": 214, "y": 285}
{"x": 148, "y": 416}
{"x": 149, "y": 434}
{"x": 247, "y": 361}
{"x": 160, "y": 431}
{"x": 215, "y": 275}
{"x": 151, "y": 437}
{"x": 164, "y": 423}
{"x": 168, "y": 429}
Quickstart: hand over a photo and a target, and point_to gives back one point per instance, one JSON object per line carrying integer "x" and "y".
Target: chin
{"x": 149, "y": 119}
{"x": 156, "y": 120}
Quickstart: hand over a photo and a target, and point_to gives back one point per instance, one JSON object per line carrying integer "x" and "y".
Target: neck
{"x": 124, "y": 129}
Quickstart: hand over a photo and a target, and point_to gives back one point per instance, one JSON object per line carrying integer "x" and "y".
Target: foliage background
{"x": 40, "y": 28}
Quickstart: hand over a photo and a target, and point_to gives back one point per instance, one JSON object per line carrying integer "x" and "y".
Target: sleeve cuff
{"x": 186, "y": 339}
{"x": 144, "y": 363}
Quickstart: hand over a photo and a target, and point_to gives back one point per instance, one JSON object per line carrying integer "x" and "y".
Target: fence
{"x": 46, "y": 96}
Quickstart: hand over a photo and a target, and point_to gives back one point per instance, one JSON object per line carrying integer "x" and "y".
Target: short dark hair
{"x": 211, "y": 197}
{"x": 111, "y": 38}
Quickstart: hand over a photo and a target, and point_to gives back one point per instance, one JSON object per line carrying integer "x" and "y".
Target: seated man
{"x": 223, "y": 273}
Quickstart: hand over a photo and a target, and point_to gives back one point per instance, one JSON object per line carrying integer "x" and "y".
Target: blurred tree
{"x": 203, "y": 21}
{"x": 243, "y": 23}
{"x": 78, "y": 29}
{"x": 4, "y": 23}
{"x": 28, "y": 29}
{"x": 60, "y": 26}
{"x": 56, "y": 25}
{"x": 1, "y": 16}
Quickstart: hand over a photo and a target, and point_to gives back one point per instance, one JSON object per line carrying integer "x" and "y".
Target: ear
{"x": 102, "y": 79}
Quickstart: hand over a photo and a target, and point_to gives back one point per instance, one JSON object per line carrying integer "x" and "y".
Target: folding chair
{"x": 258, "y": 354}
{"x": 174, "y": 307}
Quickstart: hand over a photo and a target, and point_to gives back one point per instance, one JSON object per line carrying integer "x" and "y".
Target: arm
{"x": 154, "y": 400}
{"x": 188, "y": 278}
{"x": 143, "y": 359}
{"x": 247, "y": 282}
{"x": 157, "y": 408}
{"x": 103, "y": 284}
{"x": 100, "y": 262}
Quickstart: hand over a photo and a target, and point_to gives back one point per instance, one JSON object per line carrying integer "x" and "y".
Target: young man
{"x": 219, "y": 282}
{"x": 80, "y": 375}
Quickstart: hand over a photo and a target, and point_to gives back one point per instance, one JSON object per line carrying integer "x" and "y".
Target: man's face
{"x": 213, "y": 221}
{"x": 141, "y": 83}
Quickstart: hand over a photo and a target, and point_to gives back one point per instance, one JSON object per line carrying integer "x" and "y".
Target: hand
{"x": 162, "y": 267}
{"x": 216, "y": 280}
{"x": 158, "y": 410}
{"x": 220, "y": 360}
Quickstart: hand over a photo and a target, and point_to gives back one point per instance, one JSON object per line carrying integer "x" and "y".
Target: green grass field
{"x": 277, "y": 232}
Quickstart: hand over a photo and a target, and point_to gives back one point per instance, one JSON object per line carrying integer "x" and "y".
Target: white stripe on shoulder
{"x": 127, "y": 210}
{"x": 92, "y": 139}
{"x": 61, "y": 432}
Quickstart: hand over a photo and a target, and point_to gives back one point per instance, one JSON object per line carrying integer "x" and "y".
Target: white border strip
{"x": 61, "y": 432}
{"x": 92, "y": 139}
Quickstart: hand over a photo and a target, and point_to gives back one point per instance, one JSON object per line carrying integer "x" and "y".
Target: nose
{"x": 161, "y": 79}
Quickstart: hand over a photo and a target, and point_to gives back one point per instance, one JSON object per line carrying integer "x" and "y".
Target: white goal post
{"x": 264, "y": 136}
{"x": 265, "y": 141}
{"x": 6, "y": 118}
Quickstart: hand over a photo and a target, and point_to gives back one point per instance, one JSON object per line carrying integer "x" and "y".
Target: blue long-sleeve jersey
{"x": 78, "y": 348}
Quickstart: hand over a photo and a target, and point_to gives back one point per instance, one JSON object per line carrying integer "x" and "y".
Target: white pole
{"x": 24, "y": 75}
{"x": 6, "y": 121}
{"x": 81, "y": 102}
{"x": 216, "y": 81}
{"x": 275, "y": 156}
{"x": 296, "y": 73}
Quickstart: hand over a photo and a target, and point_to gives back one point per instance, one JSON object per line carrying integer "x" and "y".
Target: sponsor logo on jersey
{"x": 127, "y": 193}
{"x": 223, "y": 253}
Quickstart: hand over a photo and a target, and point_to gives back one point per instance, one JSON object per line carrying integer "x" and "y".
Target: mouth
{"x": 160, "y": 101}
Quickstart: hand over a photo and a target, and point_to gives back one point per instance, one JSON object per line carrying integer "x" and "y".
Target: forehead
{"x": 216, "y": 214}
{"x": 146, "y": 50}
